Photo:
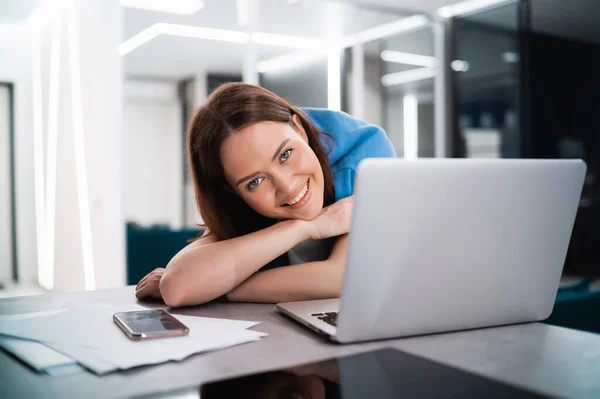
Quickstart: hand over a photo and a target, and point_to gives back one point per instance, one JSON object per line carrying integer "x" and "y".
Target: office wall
{"x": 372, "y": 100}
{"x": 416, "y": 42}
{"x": 305, "y": 85}
{"x": 5, "y": 189}
{"x": 394, "y": 122}
{"x": 99, "y": 32}
{"x": 153, "y": 156}
{"x": 426, "y": 125}
{"x": 199, "y": 94}
{"x": 98, "y": 27}
{"x": 15, "y": 51}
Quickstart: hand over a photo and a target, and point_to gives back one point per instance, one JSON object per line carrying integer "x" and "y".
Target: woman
{"x": 273, "y": 185}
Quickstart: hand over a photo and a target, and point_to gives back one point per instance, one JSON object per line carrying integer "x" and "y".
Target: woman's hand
{"x": 148, "y": 287}
{"x": 333, "y": 221}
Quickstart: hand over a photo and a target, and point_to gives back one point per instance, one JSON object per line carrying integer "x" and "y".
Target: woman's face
{"x": 273, "y": 169}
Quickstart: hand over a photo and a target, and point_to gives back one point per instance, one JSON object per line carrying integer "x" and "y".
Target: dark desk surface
{"x": 546, "y": 358}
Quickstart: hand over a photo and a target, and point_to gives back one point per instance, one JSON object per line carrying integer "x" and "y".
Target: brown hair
{"x": 230, "y": 108}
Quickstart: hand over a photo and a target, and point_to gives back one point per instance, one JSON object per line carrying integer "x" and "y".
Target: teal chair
{"x": 577, "y": 307}
{"x": 149, "y": 248}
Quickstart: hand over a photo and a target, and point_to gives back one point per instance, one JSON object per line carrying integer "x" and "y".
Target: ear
{"x": 299, "y": 127}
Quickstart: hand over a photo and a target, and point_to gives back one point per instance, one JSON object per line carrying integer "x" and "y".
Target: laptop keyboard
{"x": 327, "y": 317}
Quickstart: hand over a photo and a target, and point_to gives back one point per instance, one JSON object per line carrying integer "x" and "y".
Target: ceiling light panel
{"x": 182, "y": 7}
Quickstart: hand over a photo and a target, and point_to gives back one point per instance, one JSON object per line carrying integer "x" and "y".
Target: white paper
{"x": 89, "y": 358}
{"x": 23, "y": 316}
{"x": 94, "y": 327}
{"x": 36, "y": 355}
{"x": 66, "y": 369}
{"x": 89, "y": 335}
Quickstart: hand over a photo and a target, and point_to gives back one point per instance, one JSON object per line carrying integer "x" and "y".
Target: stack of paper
{"x": 88, "y": 336}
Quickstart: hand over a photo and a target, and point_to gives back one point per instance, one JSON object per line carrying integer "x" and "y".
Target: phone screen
{"x": 150, "y": 321}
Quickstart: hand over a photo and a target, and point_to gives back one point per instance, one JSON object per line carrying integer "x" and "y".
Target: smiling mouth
{"x": 301, "y": 195}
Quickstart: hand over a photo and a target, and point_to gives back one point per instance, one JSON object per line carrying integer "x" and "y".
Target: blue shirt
{"x": 353, "y": 141}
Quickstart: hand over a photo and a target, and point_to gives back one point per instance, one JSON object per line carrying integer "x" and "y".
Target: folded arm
{"x": 313, "y": 280}
{"x": 207, "y": 269}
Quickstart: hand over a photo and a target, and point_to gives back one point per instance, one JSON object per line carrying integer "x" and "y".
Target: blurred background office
{"x": 95, "y": 96}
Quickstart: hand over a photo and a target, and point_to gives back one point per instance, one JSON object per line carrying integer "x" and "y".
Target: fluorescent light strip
{"x": 271, "y": 39}
{"x": 137, "y": 40}
{"x": 412, "y": 75}
{"x": 408, "y": 58}
{"x": 223, "y": 35}
{"x": 45, "y": 276}
{"x": 386, "y": 30}
{"x": 411, "y": 133}
{"x": 182, "y": 7}
{"x": 199, "y": 32}
{"x": 334, "y": 79}
{"x": 79, "y": 147}
{"x": 52, "y": 139}
{"x": 292, "y": 59}
{"x": 466, "y": 7}
{"x": 287, "y": 61}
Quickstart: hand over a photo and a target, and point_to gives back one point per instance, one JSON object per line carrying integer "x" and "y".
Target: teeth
{"x": 299, "y": 196}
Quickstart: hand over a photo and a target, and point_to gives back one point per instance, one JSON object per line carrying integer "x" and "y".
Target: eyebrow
{"x": 246, "y": 178}
{"x": 257, "y": 173}
{"x": 279, "y": 149}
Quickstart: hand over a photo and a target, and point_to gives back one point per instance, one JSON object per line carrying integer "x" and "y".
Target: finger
{"x": 140, "y": 294}
{"x": 145, "y": 278}
{"x": 152, "y": 291}
{"x": 140, "y": 287}
{"x": 156, "y": 294}
{"x": 145, "y": 292}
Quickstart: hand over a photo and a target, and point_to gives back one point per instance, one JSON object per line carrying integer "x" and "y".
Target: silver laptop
{"x": 450, "y": 244}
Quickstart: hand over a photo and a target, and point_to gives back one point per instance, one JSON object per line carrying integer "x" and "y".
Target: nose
{"x": 284, "y": 183}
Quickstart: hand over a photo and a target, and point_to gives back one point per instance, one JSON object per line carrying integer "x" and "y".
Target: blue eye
{"x": 285, "y": 155}
{"x": 254, "y": 183}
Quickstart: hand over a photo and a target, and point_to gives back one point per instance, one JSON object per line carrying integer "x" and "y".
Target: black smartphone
{"x": 149, "y": 324}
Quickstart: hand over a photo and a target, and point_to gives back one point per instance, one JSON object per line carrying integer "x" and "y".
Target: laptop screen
{"x": 386, "y": 373}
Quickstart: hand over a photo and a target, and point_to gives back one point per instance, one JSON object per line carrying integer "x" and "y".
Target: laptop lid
{"x": 442, "y": 245}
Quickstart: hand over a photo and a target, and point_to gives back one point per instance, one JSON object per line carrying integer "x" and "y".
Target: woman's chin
{"x": 308, "y": 213}
{"x": 311, "y": 212}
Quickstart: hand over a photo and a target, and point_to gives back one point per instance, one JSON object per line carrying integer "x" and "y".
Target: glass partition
{"x": 486, "y": 72}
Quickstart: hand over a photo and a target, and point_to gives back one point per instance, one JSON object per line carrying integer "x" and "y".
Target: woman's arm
{"x": 314, "y": 280}
{"x": 206, "y": 269}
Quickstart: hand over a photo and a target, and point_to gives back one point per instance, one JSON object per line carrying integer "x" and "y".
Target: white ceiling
{"x": 178, "y": 57}
{"x": 420, "y": 6}
{"x": 574, "y": 19}
{"x": 16, "y": 11}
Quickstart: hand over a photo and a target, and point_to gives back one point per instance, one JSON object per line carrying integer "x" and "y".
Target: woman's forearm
{"x": 201, "y": 273}
{"x": 314, "y": 280}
